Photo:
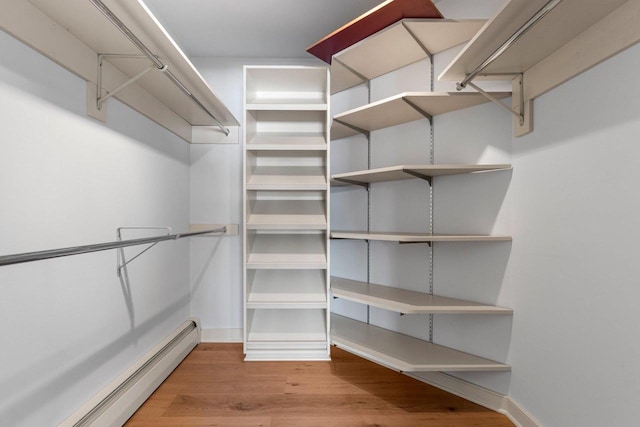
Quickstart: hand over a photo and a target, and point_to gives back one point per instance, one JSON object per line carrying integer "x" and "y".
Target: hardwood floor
{"x": 214, "y": 387}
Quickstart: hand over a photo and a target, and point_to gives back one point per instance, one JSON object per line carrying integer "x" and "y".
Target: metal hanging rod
{"x": 154, "y": 59}
{"x": 510, "y": 41}
{"x": 77, "y": 250}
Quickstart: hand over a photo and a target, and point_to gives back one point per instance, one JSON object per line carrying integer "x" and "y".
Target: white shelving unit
{"x": 400, "y": 44}
{"x": 402, "y": 172}
{"x": 405, "y": 301}
{"x": 402, "y": 352}
{"x": 404, "y": 108}
{"x": 394, "y": 47}
{"x": 286, "y": 208}
{"x": 72, "y": 33}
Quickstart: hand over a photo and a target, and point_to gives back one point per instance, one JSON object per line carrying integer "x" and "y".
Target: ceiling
{"x": 254, "y": 28}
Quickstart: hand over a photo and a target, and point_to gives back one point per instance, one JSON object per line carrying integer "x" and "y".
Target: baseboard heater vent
{"x": 117, "y": 402}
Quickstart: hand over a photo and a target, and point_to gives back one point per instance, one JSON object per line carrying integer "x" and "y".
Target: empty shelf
{"x": 287, "y": 104}
{"x": 287, "y": 251}
{"x": 402, "y": 352}
{"x": 369, "y": 23}
{"x": 407, "y": 107}
{"x": 396, "y": 46}
{"x": 397, "y": 173}
{"x": 288, "y": 215}
{"x": 287, "y": 326}
{"x": 565, "y": 22}
{"x": 416, "y": 237}
{"x": 287, "y": 141}
{"x": 287, "y": 289}
{"x": 287, "y": 178}
{"x": 405, "y": 301}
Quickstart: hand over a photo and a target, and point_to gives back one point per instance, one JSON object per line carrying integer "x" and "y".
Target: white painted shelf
{"x": 397, "y": 173}
{"x": 287, "y": 251}
{"x": 401, "y": 109}
{"x": 564, "y": 23}
{"x": 287, "y": 289}
{"x": 402, "y": 352}
{"x": 72, "y": 33}
{"x": 287, "y": 326}
{"x": 287, "y": 215}
{"x": 395, "y": 46}
{"x": 417, "y": 237}
{"x": 282, "y": 141}
{"x": 284, "y": 104}
{"x": 406, "y": 301}
{"x": 287, "y": 178}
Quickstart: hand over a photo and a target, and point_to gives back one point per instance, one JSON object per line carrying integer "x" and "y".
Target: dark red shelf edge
{"x": 370, "y": 23}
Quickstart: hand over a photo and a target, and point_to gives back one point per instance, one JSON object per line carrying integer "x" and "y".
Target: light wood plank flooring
{"x": 214, "y": 387}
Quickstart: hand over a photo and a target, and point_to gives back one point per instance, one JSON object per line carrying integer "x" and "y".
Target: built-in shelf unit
{"x": 402, "y": 44}
{"x": 286, "y": 207}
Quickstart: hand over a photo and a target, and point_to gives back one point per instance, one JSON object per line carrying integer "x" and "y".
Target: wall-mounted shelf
{"x": 371, "y": 22}
{"x": 403, "y": 108}
{"x": 417, "y": 237}
{"x": 402, "y": 352}
{"x": 406, "y": 301}
{"x": 402, "y": 172}
{"x": 73, "y": 33}
{"x": 400, "y": 44}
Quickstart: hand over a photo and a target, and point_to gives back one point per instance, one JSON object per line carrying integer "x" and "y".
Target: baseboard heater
{"x": 117, "y": 402}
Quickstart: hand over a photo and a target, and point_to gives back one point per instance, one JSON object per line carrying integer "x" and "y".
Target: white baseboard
{"x": 115, "y": 404}
{"x": 221, "y": 335}
{"x": 480, "y": 395}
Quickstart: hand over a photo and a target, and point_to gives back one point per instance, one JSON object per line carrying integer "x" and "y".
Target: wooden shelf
{"x": 397, "y": 46}
{"x": 281, "y": 141}
{"x": 402, "y": 352}
{"x": 402, "y": 172}
{"x": 401, "y": 109}
{"x": 287, "y": 215}
{"x": 566, "y": 21}
{"x": 287, "y": 289}
{"x": 417, "y": 237}
{"x": 371, "y": 22}
{"x": 287, "y": 178}
{"x": 405, "y": 301}
{"x": 287, "y": 251}
{"x": 72, "y": 33}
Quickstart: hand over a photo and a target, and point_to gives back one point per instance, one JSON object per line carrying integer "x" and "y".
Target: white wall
{"x": 574, "y": 263}
{"x": 69, "y": 326}
{"x": 216, "y": 197}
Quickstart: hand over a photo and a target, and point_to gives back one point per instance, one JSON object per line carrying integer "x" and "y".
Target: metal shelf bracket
{"x": 121, "y": 263}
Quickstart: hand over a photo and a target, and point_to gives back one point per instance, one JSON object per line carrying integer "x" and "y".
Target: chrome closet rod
{"x": 154, "y": 59}
{"x": 510, "y": 41}
{"x": 77, "y": 250}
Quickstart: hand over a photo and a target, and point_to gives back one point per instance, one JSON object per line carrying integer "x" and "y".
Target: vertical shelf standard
{"x": 286, "y": 213}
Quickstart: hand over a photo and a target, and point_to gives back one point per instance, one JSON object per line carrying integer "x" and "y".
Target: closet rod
{"x": 77, "y": 250}
{"x": 154, "y": 59}
{"x": 510, "y": 41}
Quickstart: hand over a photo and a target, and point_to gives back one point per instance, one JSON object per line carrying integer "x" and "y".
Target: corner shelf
{"x": 400, "y": 44}
{"x": 402, "y": 172}
{"x": 417, "y": 237}
{"x": 402, "y": 352}
{"x": 404, "y": 108}
{"x": 405, "y": 301}
{"x": 73, "y": 33}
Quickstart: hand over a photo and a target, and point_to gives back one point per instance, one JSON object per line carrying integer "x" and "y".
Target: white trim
{"x": 480, "y": 395}
{"x": 115, "y": 403}
{"x": 222, "y": 335}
